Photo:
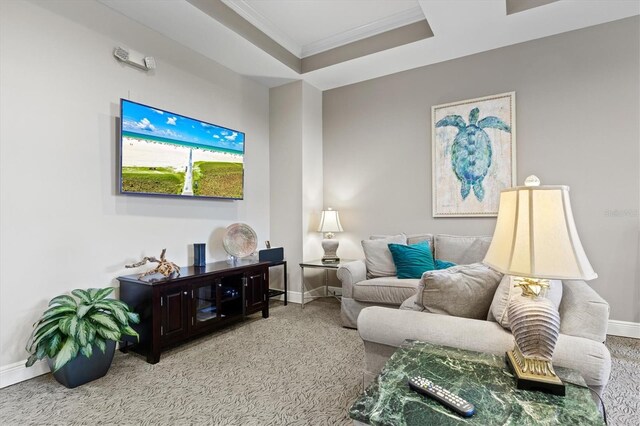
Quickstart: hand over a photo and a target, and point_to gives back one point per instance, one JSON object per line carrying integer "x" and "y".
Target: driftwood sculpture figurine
{"x": 164, "y": 267}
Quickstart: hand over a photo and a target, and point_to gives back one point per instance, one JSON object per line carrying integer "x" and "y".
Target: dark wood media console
{"x": 199, "y": 301}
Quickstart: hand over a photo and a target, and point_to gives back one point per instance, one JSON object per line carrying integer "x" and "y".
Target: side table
{"x": 317, "y": 264}
{"x": 273, "y": 292}
{"x": 480, "y": 378}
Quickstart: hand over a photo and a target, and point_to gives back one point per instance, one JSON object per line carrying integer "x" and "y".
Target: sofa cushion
{"x": 418, "y": 238}
{"x": 462, "y": 291}
{"x": 413, "y": 260}
{"x": 411, "y": 239}
{"x": 385, "y": 290}
{"x": 461, "y": 250}
{"x": 507, "y": 290}
{"x": 378, "y": 257}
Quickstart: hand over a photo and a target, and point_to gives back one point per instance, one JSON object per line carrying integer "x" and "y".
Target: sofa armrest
{"x": 583, "y": 313}
{"x": 350, "y": 273}
{"x": 390, "y": 327}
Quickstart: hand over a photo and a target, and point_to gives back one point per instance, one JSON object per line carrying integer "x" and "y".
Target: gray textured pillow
{"x": 506, "y": 291}
{"x": 411, "y": 304}
{"x": 462, "y": 291}
{"x": 378, "y": 258}
{"x": 461, "y": 250}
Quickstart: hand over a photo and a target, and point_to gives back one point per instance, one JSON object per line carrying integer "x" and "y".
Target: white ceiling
{"x": 460, "y": 28}
{"x": 311, "y": 26}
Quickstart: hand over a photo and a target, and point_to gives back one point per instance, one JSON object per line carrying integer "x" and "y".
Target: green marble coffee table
{"x": 482, "y": 379}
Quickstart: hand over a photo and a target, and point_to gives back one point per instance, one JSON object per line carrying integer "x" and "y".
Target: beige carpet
{"x": 299, "y": 367}
{"x": 622, "y": 395}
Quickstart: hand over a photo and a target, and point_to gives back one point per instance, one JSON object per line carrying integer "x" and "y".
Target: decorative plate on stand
{"x": 240, "y": 240}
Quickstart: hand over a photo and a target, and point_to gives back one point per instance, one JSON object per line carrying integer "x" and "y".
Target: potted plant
{"x": 88, "y": 324}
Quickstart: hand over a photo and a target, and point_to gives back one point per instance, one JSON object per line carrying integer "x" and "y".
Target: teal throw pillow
{"x": 413, "y": 260}
{"x": 443, "y": 264}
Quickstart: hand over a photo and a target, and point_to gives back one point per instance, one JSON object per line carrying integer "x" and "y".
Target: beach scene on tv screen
{"x": 166, "y": 153}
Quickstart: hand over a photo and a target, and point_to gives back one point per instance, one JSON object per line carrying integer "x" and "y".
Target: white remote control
{"x": 443, "y": 396}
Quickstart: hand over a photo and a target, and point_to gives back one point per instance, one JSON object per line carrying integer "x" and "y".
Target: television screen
{"x": 163, "y": 153}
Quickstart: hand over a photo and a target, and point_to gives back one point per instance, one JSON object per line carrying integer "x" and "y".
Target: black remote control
{"x": 443, "y": 396}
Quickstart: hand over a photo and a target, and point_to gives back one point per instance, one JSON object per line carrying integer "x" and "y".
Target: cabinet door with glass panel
{"x": 205, "y": 302}
{"x": 231, "y": 294}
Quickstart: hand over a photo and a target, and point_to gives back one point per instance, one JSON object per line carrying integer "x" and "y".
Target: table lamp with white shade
{"x": 536, "y": 240}
{"x": 330, "y": 223}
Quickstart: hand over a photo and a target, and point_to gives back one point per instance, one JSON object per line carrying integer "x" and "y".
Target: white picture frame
{"x": 473, "y": 154}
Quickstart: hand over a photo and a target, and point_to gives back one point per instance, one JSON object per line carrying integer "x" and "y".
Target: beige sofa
{"x": 372, "y": 304}
{"x": 361, "y": 290}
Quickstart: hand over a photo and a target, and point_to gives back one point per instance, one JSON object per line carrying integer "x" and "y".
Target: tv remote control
{"x": 443, "y": 396}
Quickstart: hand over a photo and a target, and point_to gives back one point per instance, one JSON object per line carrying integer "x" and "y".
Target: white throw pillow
{"x": 378, "y": 257}
{"x": 506, "y": 290}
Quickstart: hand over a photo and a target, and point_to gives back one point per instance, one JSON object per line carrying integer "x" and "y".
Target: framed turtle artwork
{"x": 473, "y": 155}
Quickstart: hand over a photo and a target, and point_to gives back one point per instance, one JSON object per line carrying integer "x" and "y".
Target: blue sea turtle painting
{"x": 471, "y": 150}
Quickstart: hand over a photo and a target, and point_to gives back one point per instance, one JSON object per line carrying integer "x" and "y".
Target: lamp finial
{"x": 532, "y": 180}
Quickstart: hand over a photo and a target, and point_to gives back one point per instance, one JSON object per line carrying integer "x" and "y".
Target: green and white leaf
{"x": 31, "y": 360}
{"x": 87, "y": 350}
{"x": 57, "y": 311}
{"x": 37, "y": 332}
{"x": 103, "y": 293}
{"x": 65, "y": 325}
{"x": 51, "y": 328}
{"x": 101, "y": 344}
{"x": 116, "y": 310}
{"x": 83, "y": 309}
{"x": 41, "y": 352}
{"x": 102, "y": 319}
{"x": 130, "y": 331}
{"x": 133, "y": 317}
{"x": 82, "y": 295}
{"x": 54, "y": 344}
{"x": 83, "y": 333}
{"x": 109, "y": 334}
{"x": 73, "y": 326}
{"x": 64, "y": 300}
{"x": 68, "y": 351}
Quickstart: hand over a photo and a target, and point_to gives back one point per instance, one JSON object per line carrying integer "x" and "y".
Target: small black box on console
{"x": 271, "y": 255}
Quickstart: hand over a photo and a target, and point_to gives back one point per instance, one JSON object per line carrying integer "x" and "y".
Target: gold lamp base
{"x": 534, "y": 374}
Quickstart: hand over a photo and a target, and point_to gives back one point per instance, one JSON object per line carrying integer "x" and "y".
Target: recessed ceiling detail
{"x": 354, "y": 42}
{"x": 310, "y": 27}
{"x": 461, "y": 28}
{"x": 515, "y": 6}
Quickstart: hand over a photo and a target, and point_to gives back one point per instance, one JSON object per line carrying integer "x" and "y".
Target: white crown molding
{"x": 388, "y": 23}
{"x": 624, "y": 329}
{"x": 258, "y": 20}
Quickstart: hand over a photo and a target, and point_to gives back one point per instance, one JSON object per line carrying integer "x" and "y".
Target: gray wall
{"x": 577, "y": 121}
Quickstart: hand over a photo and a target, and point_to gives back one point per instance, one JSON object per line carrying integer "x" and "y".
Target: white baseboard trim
{"x": 17, "y": 372}
{"x": 624, "y": 329}
{"x": 296, "y": 296}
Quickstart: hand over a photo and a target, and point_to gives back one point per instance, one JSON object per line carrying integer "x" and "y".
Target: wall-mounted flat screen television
{"x": 163, "y": 153}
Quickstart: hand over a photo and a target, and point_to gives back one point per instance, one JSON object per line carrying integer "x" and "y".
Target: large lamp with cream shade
{"x": 329, "y": 224}
{"x": 535, "y": 239}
